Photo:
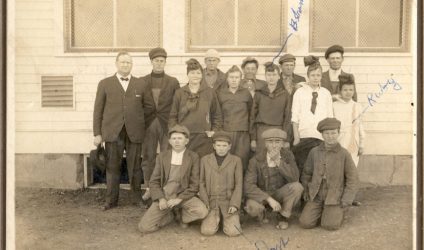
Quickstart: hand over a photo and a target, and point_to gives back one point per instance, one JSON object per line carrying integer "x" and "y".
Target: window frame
{"x": 67, "y": 33}
{"x": 405, "y": 36}
{"x": 235, "y": 48}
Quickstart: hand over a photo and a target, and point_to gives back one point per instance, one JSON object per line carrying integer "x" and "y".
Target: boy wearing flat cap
{"x": 250, "y": 68}
{"x": 288, "y": 78}
{"x": 330, "y": 78}
{"x": 212, "y": 76}
{"x": 159, "y": 92}
{"x": 221, "y": 183}
{"x": 272, "y": 179}
{"x": 174, "y": 185}
{"x": 329, "y": 178}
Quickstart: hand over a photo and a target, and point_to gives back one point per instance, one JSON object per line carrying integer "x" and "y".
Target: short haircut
{"x": 121, "y": 53}
{"x": 271, "y": 67}
{"x": 234, "y": 68}
{"x": 251, "y": 61}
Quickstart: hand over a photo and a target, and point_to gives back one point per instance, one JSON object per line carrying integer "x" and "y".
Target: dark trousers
{"x": 240, "y": 146}
{"x": 115, "y": 151}
{"x": 200, "y": 143}
{"x": 155, "y": 135}
{"x": 301, "y": 150}
{"x": 331, "y": 215}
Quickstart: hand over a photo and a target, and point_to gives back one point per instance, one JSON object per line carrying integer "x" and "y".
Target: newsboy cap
{"x": 179, "y": 129}
{"x": 157, "y": 52}
{"x": 274, "y": 133}
{"x": 212, "y": 53}
{"x": 286, "y": 58}
{"x": 328, "y": 124}
{"x": 98, "y": 158}
{"x": 222, "y": 136}
{"x": 249, "y": 59}
{"x": 332, "y": 49}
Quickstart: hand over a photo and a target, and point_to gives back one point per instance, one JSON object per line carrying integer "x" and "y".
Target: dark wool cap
{"x": 222, "y": 136}
{"x": 179, "y": 129}
{"x": 286, "y": 58}
{"x": 334, "y": 48}
{"x": 274, "y": 133}
{"x": 328, "y": 124}
{"x": 156, "y": 52}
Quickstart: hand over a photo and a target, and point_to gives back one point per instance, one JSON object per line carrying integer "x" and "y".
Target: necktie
{"x": 124, "y": 78}
{"x": 314, "y": 102}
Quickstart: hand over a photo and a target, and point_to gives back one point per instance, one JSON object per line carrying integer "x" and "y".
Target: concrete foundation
{"x": 67, "y": 170}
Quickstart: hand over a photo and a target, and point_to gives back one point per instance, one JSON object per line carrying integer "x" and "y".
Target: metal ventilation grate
{"x": 57, "y": 91}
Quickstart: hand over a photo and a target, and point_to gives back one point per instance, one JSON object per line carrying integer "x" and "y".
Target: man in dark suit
{"x": 330, "y": 78}
{"x": 118, "y": 120}
{"x": 159, "y": 92}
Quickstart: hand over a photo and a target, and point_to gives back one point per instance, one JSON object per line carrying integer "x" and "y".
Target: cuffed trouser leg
{"x": 332, "y": 217}
{"x": 288, "y": 196}
{"x": 193, "y": 209}
{"x": 254, "y": 208}
{"x": 154, "y": 218}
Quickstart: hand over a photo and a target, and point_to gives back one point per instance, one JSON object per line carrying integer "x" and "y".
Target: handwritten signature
{"x": 373, "y": 98}
{"x": 279, "y": 246}
{"x": 297, "y": 13}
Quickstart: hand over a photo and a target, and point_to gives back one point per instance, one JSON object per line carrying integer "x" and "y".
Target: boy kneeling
{"x": 330, "y": 180}
{"x": 221, "y": 177}
{"x": 173, "y": 185}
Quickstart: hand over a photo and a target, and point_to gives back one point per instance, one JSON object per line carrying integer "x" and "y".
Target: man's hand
{"x": 174, "y": 202}
{"x": 97, "y": 140}
{"x": 210, "y": 133}
{"x": 163, "y": 204}
{"x": 360, "y": 151}
{"x": 253, "y": 145}
{"x": 232, "y": 210}
{"x": 275, "y": 205}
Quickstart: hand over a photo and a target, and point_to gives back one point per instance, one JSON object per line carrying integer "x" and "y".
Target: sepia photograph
{"x": 213, "y": 124}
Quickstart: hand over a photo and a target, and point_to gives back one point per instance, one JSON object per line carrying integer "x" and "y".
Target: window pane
{"x": 260, "y": 22}
{"x": 138, "y": 23}
{"x": 92, "y": 23}
{"x": 212, "y": 22}
{"x": 333, "y": 22}
{"x": 380, "y": 23}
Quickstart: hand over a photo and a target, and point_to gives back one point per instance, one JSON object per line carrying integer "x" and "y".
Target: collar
{"x": 177, "y": 158}
{"x": 119, "y": 76}
{"x": 158, "y": 75}
{"x": 336, "y": 148}
{"x": 334, "y": 74}
{"x": 310, "y": 88}
{"x": 284, "y": 77}
{"x": 279, "y": 88}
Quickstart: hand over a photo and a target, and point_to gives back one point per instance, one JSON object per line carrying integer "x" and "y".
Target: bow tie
{"x": 124, "y": 78}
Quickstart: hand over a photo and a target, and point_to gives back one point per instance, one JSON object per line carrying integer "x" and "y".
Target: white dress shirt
{"x": 123, "y": 83}
{"x": 334, "y": 74}
{"x": 177, "y": 158}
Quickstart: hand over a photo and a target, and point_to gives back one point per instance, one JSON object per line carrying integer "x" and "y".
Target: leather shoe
{"x": 108, "y": 206}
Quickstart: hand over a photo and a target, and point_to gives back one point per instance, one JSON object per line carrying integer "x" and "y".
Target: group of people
{"x": 230, "y": 143}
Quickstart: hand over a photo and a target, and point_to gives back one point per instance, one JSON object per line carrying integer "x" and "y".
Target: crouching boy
{"x": 173, "y": 185}
{"x": 272, "y": 178}
{"x": 330, "y": 180}
{"x": 221, "y": 177}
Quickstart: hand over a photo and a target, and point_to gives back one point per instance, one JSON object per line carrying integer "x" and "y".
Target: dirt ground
{"x": 56, "y": 219}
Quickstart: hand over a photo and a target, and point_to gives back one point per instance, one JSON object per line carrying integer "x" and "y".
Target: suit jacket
{"x": 326, "y": 83}
{"x": 340, "y": 171}
{"x": 189, "y": 175}
{"x": 114, "y": 108}
{"x": 231, "y": 169}
{"x": 221, "y": 80}
{"x": 165, "y": 100}
{"x": 256, "y": 179}
{"x": 296, "y": 79}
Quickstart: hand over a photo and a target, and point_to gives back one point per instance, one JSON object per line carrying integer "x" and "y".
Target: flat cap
{"x": 286, "y": 58}
{"x": 222, "y": 136}
{"x": 274, "y": 133}
{"x": 249, "y": 59}
{"x": 328, "y": 124}
{"x": 157, "y": 52}
{"x": 179, "y": 129}
{"x": 332, "y": 49}
{"x": 212, "y": 53}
